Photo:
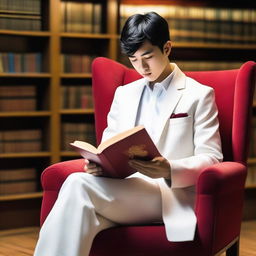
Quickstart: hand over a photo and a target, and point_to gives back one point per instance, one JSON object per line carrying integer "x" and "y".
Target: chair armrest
{"x": 219, "y": 204}
{"x": 222, "y": 178}
{"x": 53, "y": 177}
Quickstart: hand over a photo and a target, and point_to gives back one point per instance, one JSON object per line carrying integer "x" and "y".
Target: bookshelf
{"x": 210, "y": 47}
{"x": 55, "y": 38}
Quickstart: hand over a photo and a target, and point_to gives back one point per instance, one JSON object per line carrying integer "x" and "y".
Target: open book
{"x": 113, "y": 154}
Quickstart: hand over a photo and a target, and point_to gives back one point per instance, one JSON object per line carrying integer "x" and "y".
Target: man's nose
{"x": 144, "y": 65}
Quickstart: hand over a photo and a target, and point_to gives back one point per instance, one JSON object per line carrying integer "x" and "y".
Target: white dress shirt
{"x": 151, "y": 105}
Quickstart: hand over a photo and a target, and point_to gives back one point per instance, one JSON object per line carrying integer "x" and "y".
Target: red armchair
{"x": 220, "y": 188}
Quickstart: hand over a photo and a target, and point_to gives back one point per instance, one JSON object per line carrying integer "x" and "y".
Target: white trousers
{"x": 87, "y": 204}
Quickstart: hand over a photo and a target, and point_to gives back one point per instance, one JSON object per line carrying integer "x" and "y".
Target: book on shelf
{"x": 80, "y": 17}
{"x": 254, "y": 97}
{"x": 20, "y": 62}
{"x": 14, "y": 181}
{"x": 17, "y": 141}
{"x": 87, "y": 98}
{"x": 20, "y": 15}
{"x": 76, "y": 97}
{"x": 24, "y": 6}
{"x": 251, "y": 175}
{"x": 76, "y": 63}
{"x": 113, "y": 155}
{"x": 201, "y": 24}
{"x": 196, "y": 65}
{"x": 77, "y": 131}
{"x": 97, "y": 18}
{"x": 18, "y": 98}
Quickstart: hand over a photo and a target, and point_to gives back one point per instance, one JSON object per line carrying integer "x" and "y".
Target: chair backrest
{"x": 233, "y": 89}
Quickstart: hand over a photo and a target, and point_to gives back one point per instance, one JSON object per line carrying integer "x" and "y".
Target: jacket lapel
{"x": 172, "y": 98}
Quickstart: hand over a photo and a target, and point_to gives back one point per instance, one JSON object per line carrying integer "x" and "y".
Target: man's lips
{"x": 146, "y": 74}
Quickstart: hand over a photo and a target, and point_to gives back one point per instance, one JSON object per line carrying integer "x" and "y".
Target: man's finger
{"x": 140, "y": 163}
{"x": 91, "y": 165}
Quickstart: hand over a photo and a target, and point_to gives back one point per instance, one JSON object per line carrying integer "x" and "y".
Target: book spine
{"x": 22, "y": 141}
{"x": 16, "y": 98}
{"x": 11, "y": 67}
{"x": 202, "y": 24}
{"x": 18, "y": 187}
{"x": 97, "y": 18}
{"x": 14, "y": 181}
{"x": 21, "y": 15}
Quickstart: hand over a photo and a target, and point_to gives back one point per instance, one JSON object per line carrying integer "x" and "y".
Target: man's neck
{"x": 167, "y": 71}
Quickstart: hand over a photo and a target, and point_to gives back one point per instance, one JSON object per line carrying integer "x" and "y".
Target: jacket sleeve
{"x": 207, "y": 144}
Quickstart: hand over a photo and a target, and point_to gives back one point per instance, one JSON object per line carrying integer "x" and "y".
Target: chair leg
{"x": 233, "y": 250}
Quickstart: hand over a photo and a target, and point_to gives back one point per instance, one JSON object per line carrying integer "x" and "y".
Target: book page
{"x": 85, "y": 146}
{"x": 118, "y": 137}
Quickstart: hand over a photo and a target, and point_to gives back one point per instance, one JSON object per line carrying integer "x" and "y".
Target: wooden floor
{"x": 21, "y": 242}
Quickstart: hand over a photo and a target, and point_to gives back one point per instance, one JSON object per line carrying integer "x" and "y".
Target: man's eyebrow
{"x": 145, "y": 53}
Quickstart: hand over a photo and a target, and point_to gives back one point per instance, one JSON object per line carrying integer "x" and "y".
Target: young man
{"x": 179, "y": 114}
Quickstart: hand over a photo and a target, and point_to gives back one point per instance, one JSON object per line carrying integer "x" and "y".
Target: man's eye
{"x": 148, "y": 57}
{"x": 133, "y": 60}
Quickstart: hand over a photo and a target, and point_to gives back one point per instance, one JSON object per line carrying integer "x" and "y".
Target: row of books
{"x": 207, "y": 65}
{"x": 21, "y": 6}
{"x": 201, "y": 24}
{"x": 20, "y": 15}
{"x": 19, "y": 22}
{"x": 15, "y": 181}
{"x": 81, "y": 17}
{"x": 18, "y": 98}
{"x": 76, "y": 63}
{"x": 16, "y": 141}
{"x": 72, "y": 131}
{"x": 196, "y": 65}
{"x": 20, "y": 62}
{"x": 251, "y": 175}
{"x": 76, "y": 96}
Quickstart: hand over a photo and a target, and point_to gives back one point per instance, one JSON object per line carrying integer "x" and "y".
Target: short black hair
{"x": 141, "y": 27}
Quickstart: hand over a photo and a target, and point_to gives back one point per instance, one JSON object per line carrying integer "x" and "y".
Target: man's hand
{"x": 158, "y": 167}
{"x": 92, "y": 168}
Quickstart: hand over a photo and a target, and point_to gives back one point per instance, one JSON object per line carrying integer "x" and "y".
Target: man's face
{"x": 150, "y": 62}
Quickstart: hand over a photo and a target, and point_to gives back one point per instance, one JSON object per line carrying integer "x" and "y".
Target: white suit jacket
{"x": 189, "y": 143}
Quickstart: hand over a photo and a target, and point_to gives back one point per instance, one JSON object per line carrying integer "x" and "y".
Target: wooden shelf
{"x": 76, "y": 111}
{"x": 253, "y": 186}
{"x": 26, "y": 114}
{"x": 32, "y": 75}
{"x": 252, "y": 160}
{"x": 76, "y": 75}
{"x": 89, "y": 36}
{"x": 25, "y": 33}
{"x": 21, "y": 196}
{"x": 214, "y": 46}
{"x": 25, "y": 155}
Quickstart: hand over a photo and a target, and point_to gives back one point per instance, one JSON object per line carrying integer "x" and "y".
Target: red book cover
{"x": 113, "y": 154}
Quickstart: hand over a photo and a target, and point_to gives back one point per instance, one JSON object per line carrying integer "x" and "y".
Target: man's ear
{"x": 167, "y": 48}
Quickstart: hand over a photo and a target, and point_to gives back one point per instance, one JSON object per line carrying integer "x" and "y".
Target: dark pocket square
{"x": 178, "y": 115}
